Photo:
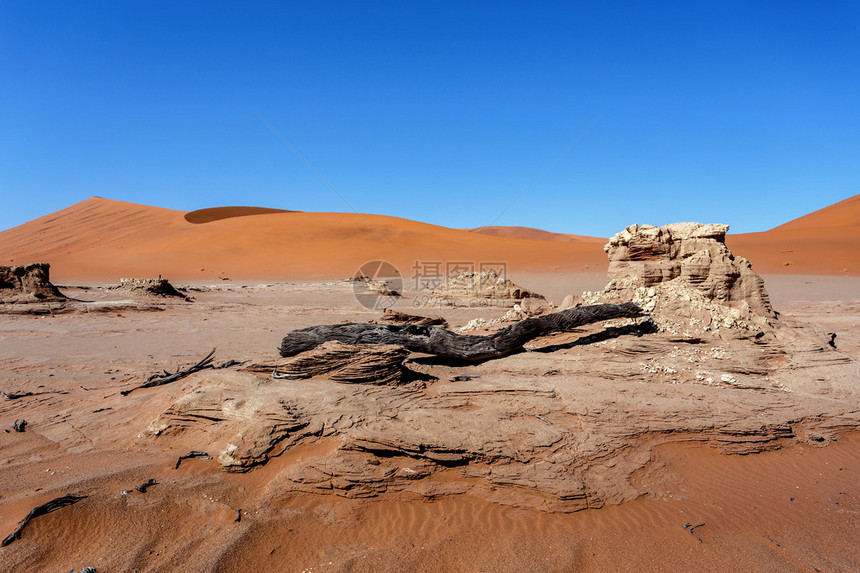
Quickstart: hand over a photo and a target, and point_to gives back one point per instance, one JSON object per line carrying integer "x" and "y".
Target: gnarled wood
{"x": 350, "y": 364}
{"x": 44, "y": 509}
{"x": 447, "y": 344}
{"x": 167, "y": 377}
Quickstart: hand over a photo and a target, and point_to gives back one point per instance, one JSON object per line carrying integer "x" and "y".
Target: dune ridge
{"x": 201, "y": 216}
{"x": 535, "y": 234}
{"x": 103, "y": 239}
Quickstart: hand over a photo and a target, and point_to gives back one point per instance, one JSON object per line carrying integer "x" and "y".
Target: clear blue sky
{"x": 746, "y": 113}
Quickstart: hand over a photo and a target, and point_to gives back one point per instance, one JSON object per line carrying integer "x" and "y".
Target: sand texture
{"x": 430, "y": 473}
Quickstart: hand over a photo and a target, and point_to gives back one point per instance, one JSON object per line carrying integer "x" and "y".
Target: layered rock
{"x": 150, "y": 287}
{"x": 28, "y": 284}
{"x": 469, "y": 288}
{"x": 685, "y": 274}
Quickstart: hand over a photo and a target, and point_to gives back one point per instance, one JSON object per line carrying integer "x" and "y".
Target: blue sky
{"x": 746, "y": 113}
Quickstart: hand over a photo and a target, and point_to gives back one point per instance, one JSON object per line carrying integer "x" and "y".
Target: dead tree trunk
{"x": 446, "y": 344}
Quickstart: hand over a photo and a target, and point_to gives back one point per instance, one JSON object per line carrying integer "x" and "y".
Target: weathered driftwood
{"x": 446, "y": 344}
{"x": 167, "y": 377}
{"x": 45, "y": 508}
{"x": 690, "y": 528}
{"x": 192, "y": 454}
{"x": 391, "y": 315}
{"x": 16, "y": 395}
{"x": 104, "y": 387}
{"x": 350, "y": 364}
{"x": 147, "y": 484}
{"x": 229, "y": 364}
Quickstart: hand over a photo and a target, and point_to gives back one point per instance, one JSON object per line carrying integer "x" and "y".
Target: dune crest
{"x": 102, "y": 239}
{"x": 845, "y": 213}
{"x": 533, "y": 234}
{"x": 201, "y": 216}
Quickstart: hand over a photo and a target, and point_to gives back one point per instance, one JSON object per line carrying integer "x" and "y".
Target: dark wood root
{"x": 192, "y": 454}
{"x": 88, "y": 388}
{"x": 229, "y": 364}
{"x": 45, "y": 508}
{"x": 391, "y": 315}
{"x": 16, "y": 395}
{"x": 347, "y": 363}
{"x": 446, "y": 344}
{"x": 147, "y": 484}
{"x": 167, "y": 377}
{"x": 690, "y": 528}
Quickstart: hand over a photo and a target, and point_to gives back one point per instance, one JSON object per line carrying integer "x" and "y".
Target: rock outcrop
{"x": 150, "y": 287}
{"x": 471, "y": 288}
{"x": 28, "y": 284}
{"x": 685, "y": 274}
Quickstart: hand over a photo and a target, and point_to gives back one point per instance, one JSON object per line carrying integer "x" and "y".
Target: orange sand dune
{"x": 826, "y": 241}
{"x": 218, "y": 213}
{"x": 101, "y": 239}
{"x": 536, "y": 234}
{"x": 843, "y": 214}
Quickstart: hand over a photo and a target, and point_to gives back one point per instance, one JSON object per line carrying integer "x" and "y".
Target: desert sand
{"x": 610, "y": 447}
{"x": 100, "y": 239}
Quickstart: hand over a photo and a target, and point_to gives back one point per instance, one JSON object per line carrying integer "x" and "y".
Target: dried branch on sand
{"x": 16, "y": 395}
{"x": 192, "y": 454}
{"x": 45, "y": 508}
{"x": 167, "y": 377}
{"x": 446, "y": 344}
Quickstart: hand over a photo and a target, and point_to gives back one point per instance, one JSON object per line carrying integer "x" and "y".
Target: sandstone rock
{"x": 150, "y": 287}
{"x": 685, "y": 274}
{"x": 535, "y": 306}
{"x": 469, "y": 288}
{"x": 28, "y": 284}
{"x": 570, "y": 301}
{"x": 246, "y": 427}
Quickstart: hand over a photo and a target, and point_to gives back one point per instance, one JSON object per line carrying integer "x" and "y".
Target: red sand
{"x": 101, "y": 239}
{"x": 536, "y": 234}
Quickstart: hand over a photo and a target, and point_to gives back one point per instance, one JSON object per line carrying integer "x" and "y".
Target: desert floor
{"x": 793, "y": 507}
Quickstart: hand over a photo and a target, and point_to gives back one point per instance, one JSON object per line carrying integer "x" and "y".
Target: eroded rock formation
{"x": 466, "y": 288}
{"x": 150, "y": 287}
{"x": 28, "y": 284}
{"x": 686, "y": 277}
